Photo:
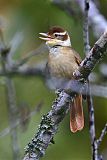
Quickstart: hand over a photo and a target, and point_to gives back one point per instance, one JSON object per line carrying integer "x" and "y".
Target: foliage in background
{"x": 31, "y": 17}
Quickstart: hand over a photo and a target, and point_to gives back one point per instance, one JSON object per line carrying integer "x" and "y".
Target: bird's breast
{"x": 62, "y": 65}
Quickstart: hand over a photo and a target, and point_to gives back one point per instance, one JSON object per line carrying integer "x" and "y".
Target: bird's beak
{"x": 45, "y": 36}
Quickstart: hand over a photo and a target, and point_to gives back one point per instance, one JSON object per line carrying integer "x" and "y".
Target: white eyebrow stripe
{"x": 61, "y": 33}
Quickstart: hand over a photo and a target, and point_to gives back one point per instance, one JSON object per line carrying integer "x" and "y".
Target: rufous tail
{"x": 76, "y": 115}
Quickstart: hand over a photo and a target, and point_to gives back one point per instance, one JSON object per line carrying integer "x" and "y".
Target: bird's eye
{"x": 56, "y": 35}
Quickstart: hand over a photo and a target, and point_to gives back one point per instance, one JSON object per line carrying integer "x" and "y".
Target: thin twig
{"x": 103, "y": 133}
{"x": 94, "y": 146}
{"x": 37, "y": 69}
{"x": 14, "y": 44}
{"x": 96, "y": 19}
{"x": 86, "y": 28}
{"x": 18, "y": 121}
{"x": 12, "y": 111}
{"x": 11, "y": 104}
{"x": 41, "y": 49}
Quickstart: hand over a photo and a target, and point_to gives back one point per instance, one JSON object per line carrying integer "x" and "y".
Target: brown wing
{"x": 77, "y": 57}
{"x": 76, "y": 115}
{"x": 47, "y": 69}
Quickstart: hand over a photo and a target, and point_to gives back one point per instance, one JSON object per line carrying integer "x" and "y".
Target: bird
{"x": 63, "y": 60}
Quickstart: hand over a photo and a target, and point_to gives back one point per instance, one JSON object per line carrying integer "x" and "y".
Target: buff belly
{"x": 61, "y": 70}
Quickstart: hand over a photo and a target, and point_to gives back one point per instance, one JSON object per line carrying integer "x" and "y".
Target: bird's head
{"x": 56, "y": 36}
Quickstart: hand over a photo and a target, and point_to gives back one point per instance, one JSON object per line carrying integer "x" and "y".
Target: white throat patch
{"x": 54, "y": 51}
{"x": 66, "y": 42}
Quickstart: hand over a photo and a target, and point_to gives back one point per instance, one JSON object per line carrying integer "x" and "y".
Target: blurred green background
{"x": 31, "y": 17}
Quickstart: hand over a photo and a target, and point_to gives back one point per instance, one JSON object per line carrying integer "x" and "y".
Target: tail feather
{"x": 76, "y": 115}
{"x": 73, "y": 123}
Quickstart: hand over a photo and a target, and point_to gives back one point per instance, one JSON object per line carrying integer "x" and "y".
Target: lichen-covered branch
{"x": 48, "y": 127}
{"x": 95, "y": 55}
{"x": 50, "y": 122}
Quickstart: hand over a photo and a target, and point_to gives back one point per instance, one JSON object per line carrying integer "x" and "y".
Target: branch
{"x": 38, "y": 69}
{"x": 41, "y": 49}
{"x": 11, "y": 102}
{"x": 96, "y": 19}
{"x": 94, "y": 145}
{"x": 86, "y": 28}
{"x": 14, "y": 44}
{"x": 12, "y": 112}
{"x": 103, "y": 133}
{"x": 18, "y": 122}
{"x": 50, "y": 122}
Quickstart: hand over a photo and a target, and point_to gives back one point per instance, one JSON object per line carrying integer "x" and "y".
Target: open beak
{"x": 45, "y": 36}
